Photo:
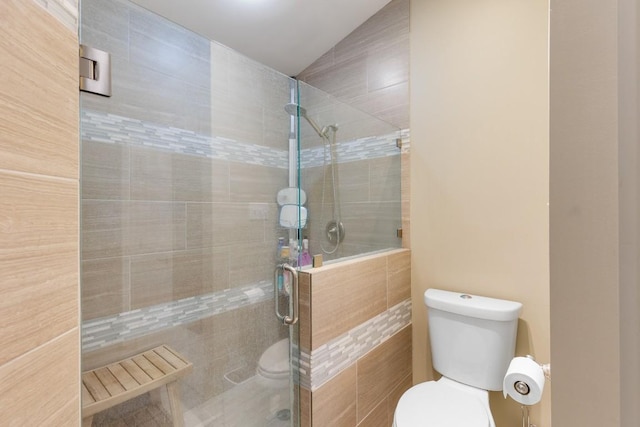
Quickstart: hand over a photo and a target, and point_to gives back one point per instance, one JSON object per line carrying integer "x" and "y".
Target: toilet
{"x": 472, "y": 340}
{"x": 273, "y": 370}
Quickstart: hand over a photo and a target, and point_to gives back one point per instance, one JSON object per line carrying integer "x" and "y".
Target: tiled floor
{"x": 149, "y": 415}
{"x": 249, "y": 404}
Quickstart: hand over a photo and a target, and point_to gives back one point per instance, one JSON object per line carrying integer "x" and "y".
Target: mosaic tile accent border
{"x": 405, "y": 135}
{"x": 111, "y": 128}
{"x": 65, "y": 11}
{"x": 330, "y": 359}
{"x": 360, "y": 149}
{"x": 115, "y": 129}
{"x": 105, "y": 331}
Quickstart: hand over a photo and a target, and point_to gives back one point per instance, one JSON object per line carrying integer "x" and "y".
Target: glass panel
{"x": 350, "y": 172}
{"x": 180, "y": 222}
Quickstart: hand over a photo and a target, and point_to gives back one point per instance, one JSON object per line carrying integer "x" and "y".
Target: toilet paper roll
{"x": 524, "y": 381}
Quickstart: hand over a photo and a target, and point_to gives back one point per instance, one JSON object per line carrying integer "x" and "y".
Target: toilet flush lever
{"x": 291, "y": 319}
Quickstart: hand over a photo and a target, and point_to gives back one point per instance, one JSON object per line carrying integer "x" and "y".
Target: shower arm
{"x": 296, "y": 110}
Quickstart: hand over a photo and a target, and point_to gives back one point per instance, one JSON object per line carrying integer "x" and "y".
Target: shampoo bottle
{"x": 305, "y": 256}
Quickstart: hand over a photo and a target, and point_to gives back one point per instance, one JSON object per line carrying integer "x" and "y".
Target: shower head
{"x": 297, "y": 111}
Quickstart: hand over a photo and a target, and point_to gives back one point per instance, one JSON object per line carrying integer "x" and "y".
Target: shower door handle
{"x": 293, "y": 294}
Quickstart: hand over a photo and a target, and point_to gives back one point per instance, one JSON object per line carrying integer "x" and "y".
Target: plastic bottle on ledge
{"x": 285, "y": 257}
{"x": 305, "y": 256}
{"x": 293, "y": 252}
{"x": 280, "y": 245}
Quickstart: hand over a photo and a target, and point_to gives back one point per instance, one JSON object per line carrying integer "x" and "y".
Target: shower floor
{"x": 248, "y": 404}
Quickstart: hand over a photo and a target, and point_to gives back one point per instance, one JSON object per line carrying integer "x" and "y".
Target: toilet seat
{"x": 274, "y": 362}
{"x": 434, "y": 404}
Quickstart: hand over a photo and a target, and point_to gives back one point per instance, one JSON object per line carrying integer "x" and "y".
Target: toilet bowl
{"x": 443, "y": 403}
{"x": 273, "y": 367}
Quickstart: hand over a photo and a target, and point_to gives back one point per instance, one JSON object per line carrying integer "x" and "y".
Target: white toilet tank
{"x": 473, "y": 338}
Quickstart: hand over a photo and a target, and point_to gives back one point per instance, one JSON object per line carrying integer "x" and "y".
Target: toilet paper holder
{"x": 523, "y": 388}
{"x": 524, "y": 380}
{"x": 546, "y": 367}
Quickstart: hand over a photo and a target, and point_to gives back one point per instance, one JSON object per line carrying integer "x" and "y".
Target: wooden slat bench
{"x": 118, "y": 382}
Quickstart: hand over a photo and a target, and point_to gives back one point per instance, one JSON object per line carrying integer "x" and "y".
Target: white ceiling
{"x": 287, "y": 35}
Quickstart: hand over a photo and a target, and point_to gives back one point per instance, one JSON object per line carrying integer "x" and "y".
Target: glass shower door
{"x": 181, "y": 168}
{"x": 351, "y": 172}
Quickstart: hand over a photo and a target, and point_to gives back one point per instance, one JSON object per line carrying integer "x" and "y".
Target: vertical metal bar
{"x": 293, "y": 319}
{"x": 293, "y": 295}
{"x": 276, "y": 291}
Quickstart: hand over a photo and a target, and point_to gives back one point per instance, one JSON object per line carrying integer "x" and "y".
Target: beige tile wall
{"x": 369, "y": 68}
{"x": 39, "y": 359}
{"x": 370, "y": 206}
{"x": 248, "y": 99}
{"x": 160, "y": 226}
{"x": 175, "y": 224}
{"x": 333, "y": 300}
{"x": 344, "y": 295}
{"x": 216, "y": 345}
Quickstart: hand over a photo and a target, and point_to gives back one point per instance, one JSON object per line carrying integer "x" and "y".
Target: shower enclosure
{"x": 196, "y": 172}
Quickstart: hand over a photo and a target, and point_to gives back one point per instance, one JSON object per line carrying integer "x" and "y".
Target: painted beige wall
{"x": 594, "y": 237}
{"x": 629, "y": 125}
{"x": 479, "y": 167}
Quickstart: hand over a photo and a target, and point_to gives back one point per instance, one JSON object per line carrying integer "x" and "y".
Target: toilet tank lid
{"x": 472, "y": 305}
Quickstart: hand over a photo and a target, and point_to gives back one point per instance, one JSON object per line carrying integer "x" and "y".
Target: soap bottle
{"x": 285, "y": 286}
{"x": 280, "y": 245}
{"x": 305, "y": 256}
{"x": 293, "y": 252}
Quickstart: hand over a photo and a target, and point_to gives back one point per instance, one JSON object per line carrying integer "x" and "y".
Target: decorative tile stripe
{"x": 405, "y": 135}
{"x": 65, "y": 11}
{"x": 114, "y": 129}
{"x": 360, "y": 149}
{"x": 330, "y": 359}
{"x": 105, "y": 331}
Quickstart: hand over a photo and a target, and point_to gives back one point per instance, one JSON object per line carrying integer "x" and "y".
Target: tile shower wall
{"x": 369, "y": 69}
{"x": 361, "y": 385}
{"x": 178, "y": 215}
{"x": 355, "y": 339}
{"x": 149, "y": 209}
{"x": 39, "y": 322}
{"x": 180, "y": 171}
{"x": 370, "y": 199}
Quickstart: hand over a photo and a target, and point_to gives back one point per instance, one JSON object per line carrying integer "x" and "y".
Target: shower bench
{"x": 118, "y": 382}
